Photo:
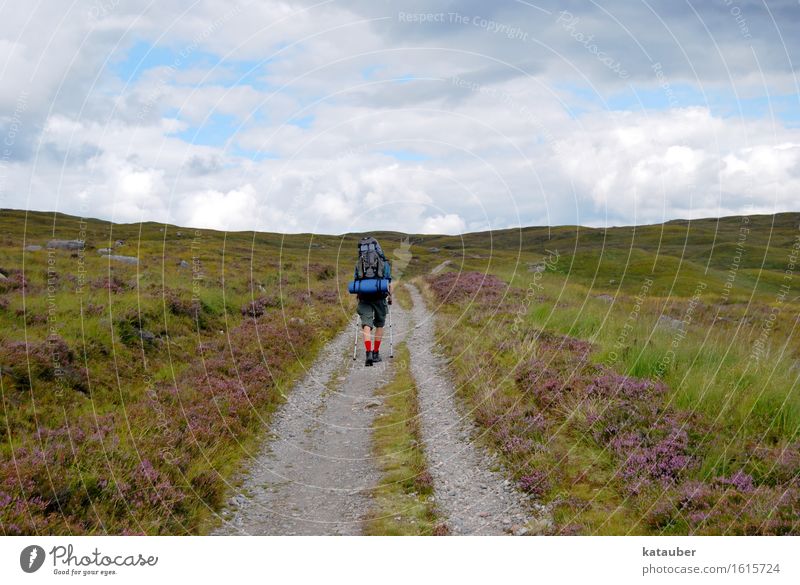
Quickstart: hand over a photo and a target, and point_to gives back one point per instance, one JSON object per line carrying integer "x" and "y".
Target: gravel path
{"x": 316, "y": 471}
{"x": 437, "y": 269}
{"x": 472, "y": 498}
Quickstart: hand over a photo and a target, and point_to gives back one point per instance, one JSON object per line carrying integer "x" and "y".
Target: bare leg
{"x": 366, "y": 330}
{"x": 378, "y": 333}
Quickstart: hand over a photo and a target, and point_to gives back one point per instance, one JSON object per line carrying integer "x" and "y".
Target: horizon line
{"x": 343, "y": 234}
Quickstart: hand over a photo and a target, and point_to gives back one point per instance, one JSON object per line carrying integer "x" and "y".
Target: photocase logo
{"x": 31, "y": 558}
{"x": 401, "y": 257}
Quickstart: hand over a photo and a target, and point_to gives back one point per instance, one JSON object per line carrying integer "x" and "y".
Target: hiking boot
{"x": 376, "y": 357}
{"x": 369, "y": 359}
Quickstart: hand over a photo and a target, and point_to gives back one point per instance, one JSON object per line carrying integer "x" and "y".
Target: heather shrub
{"x": 15, "y": 280}
{"x": 131, "y": 329}
{"x": 321, "y": 271}
{"x": 535, "y": 483}
{"x": 112, "y": 283}
{"x": 260, "y": 306}
{"x": 456, "y": 287}
{"x": 50, "y": 360}
{"x": 327, "y": 295}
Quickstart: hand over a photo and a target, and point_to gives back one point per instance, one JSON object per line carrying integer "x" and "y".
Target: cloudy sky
{"x": 422, "y": 116}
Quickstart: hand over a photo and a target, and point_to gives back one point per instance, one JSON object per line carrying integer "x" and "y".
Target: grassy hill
{"x": 131, "y": 391}
{"x": 637, "y": 380}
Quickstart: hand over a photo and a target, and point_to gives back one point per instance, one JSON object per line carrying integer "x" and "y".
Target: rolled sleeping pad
{"x": 369, "y": 286}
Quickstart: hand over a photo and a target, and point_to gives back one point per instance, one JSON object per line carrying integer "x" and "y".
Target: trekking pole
{"x": 355, "y": 343}
{"x": 391, "y": 344}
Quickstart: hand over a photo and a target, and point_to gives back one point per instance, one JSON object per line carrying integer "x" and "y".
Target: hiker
{"x": 372, "y": 283}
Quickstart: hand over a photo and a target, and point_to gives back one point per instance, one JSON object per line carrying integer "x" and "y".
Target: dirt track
{"x": 315, "y": 472}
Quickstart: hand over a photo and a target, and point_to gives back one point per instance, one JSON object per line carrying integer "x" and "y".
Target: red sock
{"x": 377, "y": 344}
{"x": 367, "y": 344}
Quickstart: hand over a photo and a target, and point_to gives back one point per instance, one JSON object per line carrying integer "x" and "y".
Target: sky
{"x": 429, "y": 116}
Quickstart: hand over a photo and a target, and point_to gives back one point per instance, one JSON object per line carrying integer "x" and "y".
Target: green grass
{"x": 743, "y": 403}
{"x": 594, "y": 292}
{"x": 100, "y": 326}
{"x": 402, "y": 504}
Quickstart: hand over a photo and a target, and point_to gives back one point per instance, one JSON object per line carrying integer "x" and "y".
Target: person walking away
{"x": 373, "y": 304}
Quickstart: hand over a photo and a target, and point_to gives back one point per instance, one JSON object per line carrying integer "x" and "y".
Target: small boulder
{"x": 147, "y": 336}
{"x": 183, "y": 264}
{"x": 538, "y": 267}
{"x": 123, "y": 259}
{"x": 119, "y": 243}
{"x": 434, "y": 250}
{"x": 104, "y": 251}
{"x": 66, "y": 244}
{"x": 32, "y": 248}
{"x": 669, "y": 322}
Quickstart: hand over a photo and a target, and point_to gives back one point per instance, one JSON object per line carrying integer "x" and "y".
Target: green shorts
{"x": 373, "y": 312}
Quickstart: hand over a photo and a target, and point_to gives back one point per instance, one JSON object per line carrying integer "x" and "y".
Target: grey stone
{"x": 119, "y": 243}
{"x": 147, "y": 336}
{"x": 32, "y": 248}
{"x": 183, "y": 264}
{"x": 66, "y": 244}
{"x": 123, "y": 259}
{"x": 669, "y": 322}
{"x": 538, "y": 267}
{"x": 103, "y": 251}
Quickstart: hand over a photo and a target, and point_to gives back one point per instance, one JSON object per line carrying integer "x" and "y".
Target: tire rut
{"x": 472, "y": 498}
{"x": 315, "y": 472}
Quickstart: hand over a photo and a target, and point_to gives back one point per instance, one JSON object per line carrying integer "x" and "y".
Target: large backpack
{"x": 371, "y": 261}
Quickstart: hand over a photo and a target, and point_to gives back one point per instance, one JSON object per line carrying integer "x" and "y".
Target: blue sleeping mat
{"x": 369, "y": 286}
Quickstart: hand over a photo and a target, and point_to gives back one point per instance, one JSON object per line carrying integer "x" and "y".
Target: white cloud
{"x": 211, "y": 209}
{"x": 477, "y": 142}
{"x": 444, "y": 224}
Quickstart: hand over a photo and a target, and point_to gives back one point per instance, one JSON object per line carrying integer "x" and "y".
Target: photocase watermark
{"x": 507, "y": 99}
{"x": 69, "y": 563}
{"x": 569, "y": 22}
{"x": 664, "y": 84}
{"x": 31, "y": 558}
{"x": 10, "y": 139}
{"x": 162, "y": 422}
{"x": 457, "y": 18}
{"x": 760, "y": 345}
{"x": 401, "y": 257}
{"x": 633, "y": 316}
{"x": 680, "y": 334}
{"x": 100, "y": 9}
{"x": 733, "y": 269}
{"x": 534, "y": 288}
{"x": 197, "y": 265}
{"x": 299, "y": 204}
{"x": 185, "y": 53}
{"x": 741, "y": 21}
